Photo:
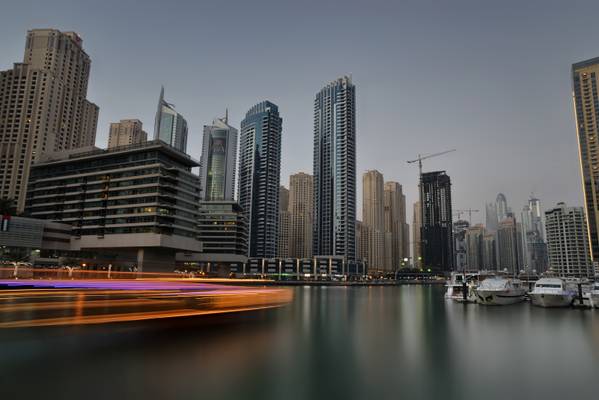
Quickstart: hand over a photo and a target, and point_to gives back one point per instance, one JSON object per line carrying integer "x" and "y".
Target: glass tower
{"x": 170, "y": 126}
{"x": 259, "y": 176}
{"x": 219, "y": 158}
{"x": 335, "y": 170}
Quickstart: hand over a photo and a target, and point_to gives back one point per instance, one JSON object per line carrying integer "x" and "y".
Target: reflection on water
{"x": 332, "y": 342}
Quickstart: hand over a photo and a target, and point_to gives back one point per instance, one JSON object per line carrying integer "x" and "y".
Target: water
{"x": 332, "y": 342}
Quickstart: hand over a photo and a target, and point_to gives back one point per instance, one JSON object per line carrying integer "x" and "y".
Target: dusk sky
{"x": 488, "y": 78}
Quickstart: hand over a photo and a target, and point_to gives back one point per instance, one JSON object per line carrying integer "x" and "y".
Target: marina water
{"x": 330, "y": 343}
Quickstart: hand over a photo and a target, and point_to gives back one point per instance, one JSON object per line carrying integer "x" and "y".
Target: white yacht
{"x": 594, "y": 295}
{"x": 455, "y": 286}
{"x": 552, "y": 292}
{"x": 500, "y": 291}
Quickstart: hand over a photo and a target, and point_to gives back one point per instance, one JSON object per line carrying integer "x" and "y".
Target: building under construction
{"x": 436, "y": 230}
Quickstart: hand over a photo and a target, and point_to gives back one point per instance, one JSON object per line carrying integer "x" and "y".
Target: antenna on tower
{"x": 227, "y": 115}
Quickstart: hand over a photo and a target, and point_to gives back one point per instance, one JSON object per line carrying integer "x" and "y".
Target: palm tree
{"x": 7, "y": 207}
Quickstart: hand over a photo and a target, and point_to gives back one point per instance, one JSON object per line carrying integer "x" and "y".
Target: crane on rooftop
{"x": 419, "y": 160}
{"x": 469, "y": 211}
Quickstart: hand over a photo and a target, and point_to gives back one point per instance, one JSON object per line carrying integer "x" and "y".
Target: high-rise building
{"x": 43, "y": 107}
{"x": 501, "y": 207}
{"x": 301, "y": 204}
{"x": 534, "y": 249}
{"x": 568, "y": 241}
{"x": 284, "y": 223}
{"x": 373, "y": 215}
{"x": 491, "y": 220}
{"x": 362, "y": 242}
{"x": 436, "y": 231}
{"x": 335, "y": 170}
{"x": 460, "y": 246}
{"x": 394, "y": 226}
{"x": 489, "y": 252}
{"x": 126, "y": 132}
{"x": 259, "y": 176}
{"x": 169, "y": 125}
{"x": 475, "y": 247}
{"x": 416, "y": 232}
{"x": 509, "y": 245}
{"x": 219, "y": 160}
{"x": 586, "y": 103}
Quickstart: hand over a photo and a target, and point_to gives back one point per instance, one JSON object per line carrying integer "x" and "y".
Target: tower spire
{"x": 227, "y": 115}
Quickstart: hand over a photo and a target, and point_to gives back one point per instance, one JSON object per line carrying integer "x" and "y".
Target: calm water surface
{"x": 332, "y": 342}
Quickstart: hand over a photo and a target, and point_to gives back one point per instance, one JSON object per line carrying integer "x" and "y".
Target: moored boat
{"x": 500, "y": 291}
{"x": 594, "y": 295}
{"x": 551, "y": 292}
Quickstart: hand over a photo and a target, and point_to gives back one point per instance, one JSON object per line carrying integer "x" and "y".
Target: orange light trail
{"x": 94, "y": 301}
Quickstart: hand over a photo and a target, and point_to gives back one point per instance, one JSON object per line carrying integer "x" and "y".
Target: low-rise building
{"x": 137, "y": 202}
{"x": 33, "y": 240}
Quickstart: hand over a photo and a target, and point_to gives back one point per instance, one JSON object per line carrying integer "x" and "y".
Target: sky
{"x": 490, "y": 79}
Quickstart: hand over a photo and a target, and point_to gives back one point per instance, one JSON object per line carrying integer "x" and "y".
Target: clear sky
{"x": 489, "y": 78}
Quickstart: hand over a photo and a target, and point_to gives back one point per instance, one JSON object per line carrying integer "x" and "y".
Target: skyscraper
{"x": 460, "y": 227}
{"x": 362, "y": 235}
{"x": 491, "y": 220}
{"x": 568, "y": 241}
{"x": 170, "y": 126}
{"x": 259, "y": 176}
{"x": 416, "y": 235}
{"x": 586, "y": 103}
{"x": 509, "y": 245}
{"x": 284, "y": 223}
{"x": 301, "y": 204}
{"x": 475, "y": 247}
{"x": 395, "y": 217}
{"x": 489, "y": 252}
{"x": 534, "y": 249}
{"x": 125, "y": 132}
{"x": 373, "y": 213}
{"x": 335, "y": 170}
{"x": 43, "y": 107}
{"x": 436, "y": 231}
{"x": 501, "y": 207}
{"x": 219, "y": 159}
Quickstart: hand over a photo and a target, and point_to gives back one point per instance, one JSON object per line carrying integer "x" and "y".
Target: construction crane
{"x": 469, "y": 211}
{"x": 421, "y": 157}
{"x": 420, "y": 194}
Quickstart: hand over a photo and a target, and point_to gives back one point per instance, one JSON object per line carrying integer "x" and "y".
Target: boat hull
{"x": 499, "y": 297}
{"x": 595, "y": 300}
{"x": 551, "y": 299}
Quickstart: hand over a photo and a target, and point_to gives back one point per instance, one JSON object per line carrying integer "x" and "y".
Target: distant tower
{"x": 509, "y": 245}
{"x": 259, "y": 176}
{"x": 396, "y": 238}
{"x": 534, "y": 248}
{"x": 416, "y": 232}
{"x": 219, "y": 159}
{"x": 170, "y": 126}
{"x": 284, "y": 223}
{"x": 335, "y": 170}
{"x": 491, "y": 220}
{"x": 126, "y": 132}
{"x": 301, "y": 205}
{"x": 437, "y": 230}
{"x": 373, "y": 212}
{"x": 501, "y": 207}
